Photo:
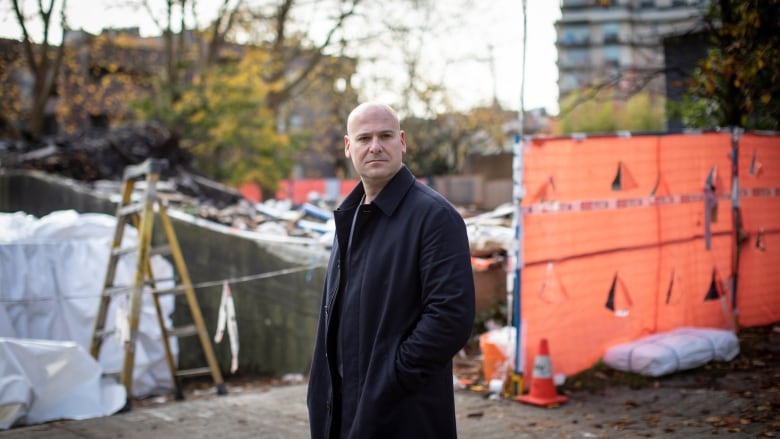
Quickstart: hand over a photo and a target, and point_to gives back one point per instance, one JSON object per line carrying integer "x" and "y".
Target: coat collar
{"x": 390, "y": 196}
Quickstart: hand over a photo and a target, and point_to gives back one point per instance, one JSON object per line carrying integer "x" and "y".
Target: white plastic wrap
{"x": 673, "y": 351}
{"x": 43, "y": 381}
{"x": 52, "y": 271}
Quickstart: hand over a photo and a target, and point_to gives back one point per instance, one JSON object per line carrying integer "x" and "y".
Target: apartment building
{"x": 619, "y": 43}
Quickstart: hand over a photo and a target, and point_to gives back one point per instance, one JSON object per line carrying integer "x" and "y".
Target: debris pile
{"x": 100, "y": 155}
{"x": 98, "y": 158}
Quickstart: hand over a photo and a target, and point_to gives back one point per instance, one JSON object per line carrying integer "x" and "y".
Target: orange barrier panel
{"x": 621, "y": 239}
{"x": 298, "y": 190}
{"x": 759, "y": 277}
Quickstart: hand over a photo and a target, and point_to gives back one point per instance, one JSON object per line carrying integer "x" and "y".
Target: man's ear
{"x": 346, "y": 146}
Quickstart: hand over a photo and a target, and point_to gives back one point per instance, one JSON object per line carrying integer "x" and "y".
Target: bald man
{"x": 398, "y": 299}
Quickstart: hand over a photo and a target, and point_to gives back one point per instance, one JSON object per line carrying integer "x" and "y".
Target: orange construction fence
{"x": 298, "y": 191}
{"x": 626, "y": 236}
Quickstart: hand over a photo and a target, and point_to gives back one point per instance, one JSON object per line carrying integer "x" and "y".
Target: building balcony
{"x": 579, "y": 42}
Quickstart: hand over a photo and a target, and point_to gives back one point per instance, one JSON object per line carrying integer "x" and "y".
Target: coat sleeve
{"x": 447, "y": 294}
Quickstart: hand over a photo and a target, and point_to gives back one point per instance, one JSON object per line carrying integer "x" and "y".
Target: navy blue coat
{"x": 408, "y": 307}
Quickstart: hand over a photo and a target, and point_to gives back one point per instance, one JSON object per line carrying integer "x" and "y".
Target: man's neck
{"x": 372, "y": 189}
{"x": 371, "y": 193}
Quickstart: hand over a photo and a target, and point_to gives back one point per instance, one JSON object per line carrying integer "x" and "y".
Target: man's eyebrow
{"x": 370, "y": 133}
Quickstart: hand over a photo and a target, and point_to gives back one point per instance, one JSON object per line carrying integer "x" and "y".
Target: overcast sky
{"x": 496, "y": 24}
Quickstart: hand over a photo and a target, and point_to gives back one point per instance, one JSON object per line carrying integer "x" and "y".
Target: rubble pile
{"x": 98, "y": 158}
{"x": 99, "y": 155}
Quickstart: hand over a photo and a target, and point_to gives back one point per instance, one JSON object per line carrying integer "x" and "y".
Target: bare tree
{"x": 188, "y": 47}
{"x": 44, "y": 59}
{"x": 294, "y": 56}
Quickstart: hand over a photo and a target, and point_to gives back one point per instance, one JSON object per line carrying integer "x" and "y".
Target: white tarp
{"x": 52, "y": 271}
{"x": 673, "y": 351}
{"x": 43, "y": 381}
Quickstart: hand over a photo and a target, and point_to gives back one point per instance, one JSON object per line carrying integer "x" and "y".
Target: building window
{"x": 576, "y": 35}
{"x": 576, "y": 57}
{"x": 610, "y": 32}
{"x": 644, "y": 4}
{"x": 612, "y": 56}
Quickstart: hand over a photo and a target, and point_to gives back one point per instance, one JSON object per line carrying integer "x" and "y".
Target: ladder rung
{"x": 161, "y": 250}
{"x": 177, "y": 290}
{"x": 102, "y": 333}
{"x": 116, "y": 289}
{"x": 183, "y": 331}
{"x": 120, "y": 288}
{"x": 193, "y": 372}
{"x": 119, "y": 251}
{"x": 131, "y": 209}
{"x": 150, "y": 166}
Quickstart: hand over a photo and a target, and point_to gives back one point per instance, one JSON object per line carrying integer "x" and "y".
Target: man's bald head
{"x": 370, "y": 107}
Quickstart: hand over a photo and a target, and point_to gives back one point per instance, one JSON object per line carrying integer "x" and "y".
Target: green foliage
{"x": 224, "y": 122}
{"x": 426, "y": 152}
{"x": 641, "y": 112}
{"x": 738, "y": 82}
{"x": 697, "y": 111}
{"x": 438, "y": 146}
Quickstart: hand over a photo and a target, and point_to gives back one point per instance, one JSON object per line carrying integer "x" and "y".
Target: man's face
{"x": 375, "y": 144}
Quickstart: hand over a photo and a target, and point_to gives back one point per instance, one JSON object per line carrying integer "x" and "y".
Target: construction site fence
{"x": 627, "y": 236}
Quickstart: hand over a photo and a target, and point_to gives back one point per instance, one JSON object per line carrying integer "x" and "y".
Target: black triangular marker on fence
{"x": 611, "y": 297}
{"x": 713, "y": 293}
{"x": 712, "y": 178}
{"x": 760, "y": 240}
{"x": 669, "y": 290}
{"x": 755, "y": 166}
{"x": 617, "y": 183}
{"x": 655, "y": 188}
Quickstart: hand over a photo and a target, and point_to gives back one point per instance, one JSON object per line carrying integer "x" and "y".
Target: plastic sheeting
{"x": 674, "y": 351}
{"x": 51, "y": 276}
{"x": 43, "y": 381}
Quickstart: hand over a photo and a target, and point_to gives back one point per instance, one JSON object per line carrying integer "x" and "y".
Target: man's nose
{"x": 375, "y": 145}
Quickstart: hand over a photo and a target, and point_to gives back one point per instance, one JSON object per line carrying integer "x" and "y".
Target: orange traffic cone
{"x": 542, "y": 391}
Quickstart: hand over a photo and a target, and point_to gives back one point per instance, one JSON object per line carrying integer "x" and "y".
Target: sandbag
{"x": 673, "y": 351}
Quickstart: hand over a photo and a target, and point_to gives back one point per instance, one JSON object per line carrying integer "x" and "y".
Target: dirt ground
{"x": 740, "y": 398}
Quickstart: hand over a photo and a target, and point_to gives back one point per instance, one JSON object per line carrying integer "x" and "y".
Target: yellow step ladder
{"x": 143, "y": 218}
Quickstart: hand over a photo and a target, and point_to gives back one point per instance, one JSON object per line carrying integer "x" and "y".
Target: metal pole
{"x": 518, "y": 191}
{"x": 736, "y": 218}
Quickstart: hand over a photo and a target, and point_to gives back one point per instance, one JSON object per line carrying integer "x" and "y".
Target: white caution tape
{"x": 227, "y": 319}
{"x": 623, "y": 203}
